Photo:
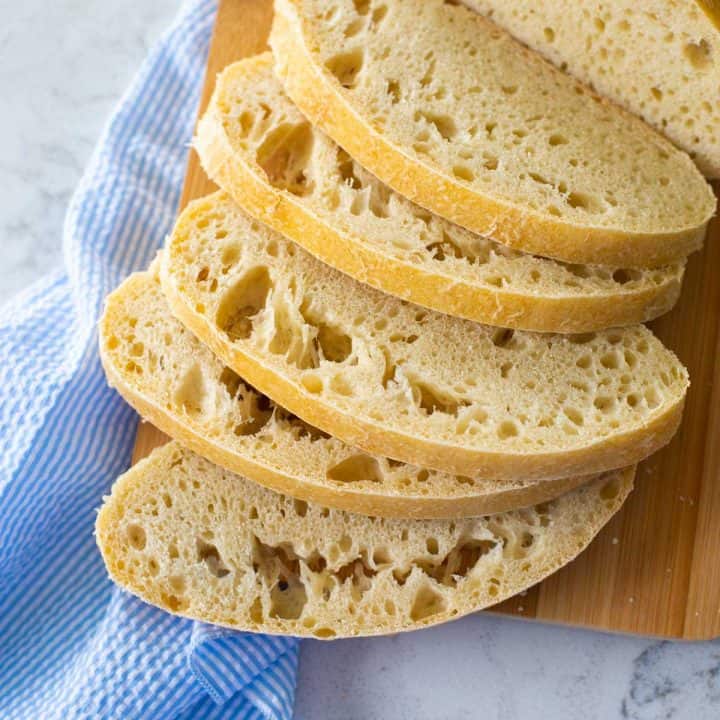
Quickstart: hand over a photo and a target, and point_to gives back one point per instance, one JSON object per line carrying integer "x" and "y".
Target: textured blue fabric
{"x": 71, "y": 645}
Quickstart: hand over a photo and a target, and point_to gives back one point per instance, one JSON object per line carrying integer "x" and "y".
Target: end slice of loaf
{"x": 456, "y": 115}
{"x": 174, "y": 381}
{"x": 255, "y": 144}
{"x": 397, "y": 380}
{"x": 658, "y": 59}
{"x": 197, "y": 541}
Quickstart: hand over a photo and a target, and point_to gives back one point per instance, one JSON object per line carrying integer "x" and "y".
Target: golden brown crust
{"x": 495, "y": 306}
{"x": 519, "y": 228}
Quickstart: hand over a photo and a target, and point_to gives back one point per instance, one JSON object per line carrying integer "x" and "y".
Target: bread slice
{"x": 256, "y": 145}
{"x": 411, "y": 384}
{"x": 174, "y": 381}
{"x": 658, "y": 59}
{"x": 196, "y": 540}
{"x": 456, "y": 115}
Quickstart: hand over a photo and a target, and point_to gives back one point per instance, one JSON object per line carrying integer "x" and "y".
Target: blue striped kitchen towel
{"x": 72, "y": 646}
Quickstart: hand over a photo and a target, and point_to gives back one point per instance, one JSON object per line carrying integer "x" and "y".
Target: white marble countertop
{"x": 63, "y": 64}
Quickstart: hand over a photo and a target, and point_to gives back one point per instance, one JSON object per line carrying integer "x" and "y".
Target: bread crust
{"x": 520, "y": 228}
{"x": 451, "y": 295}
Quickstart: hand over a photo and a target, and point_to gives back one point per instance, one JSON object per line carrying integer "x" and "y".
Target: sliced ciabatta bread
{"x": 256, "y": 145}
{"x": 455, "y": 114}
{"x": 659, "y": 59}
{"x": 409, "y": 383}
{"x": 174, "y": 381}
{"x": 198, "y": 541}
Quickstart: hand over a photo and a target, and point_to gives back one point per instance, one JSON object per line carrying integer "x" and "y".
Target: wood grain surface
{"x": 654, "y": 569}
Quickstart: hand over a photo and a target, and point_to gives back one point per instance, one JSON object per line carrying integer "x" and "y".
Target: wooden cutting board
{"x": 655, "y": 569}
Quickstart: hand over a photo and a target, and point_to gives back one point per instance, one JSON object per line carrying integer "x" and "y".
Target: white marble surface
{"x": 62, "y": 66}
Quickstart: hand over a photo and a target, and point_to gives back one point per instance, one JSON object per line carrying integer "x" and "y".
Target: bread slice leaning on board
{"x": 198, "y": 541}
{"x": 658, "y": 59}
{"x": 456, "y": 115}
{"x": 174, "y": 381}
{"x": 395, "y": 379}
{"x": 255, "y": 144}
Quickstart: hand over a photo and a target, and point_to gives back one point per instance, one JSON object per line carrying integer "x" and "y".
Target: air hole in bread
{"x": 335, "y": 345}
{"x": 609, "y": 360}
{"x": 461, "y": 172}
{"x": 354, "y": 27}
{"x": 393, "y": 90}
{"x": 210, "y": 555}
{"x": 379, "y": 13}
{"x": 359, "y": 573}
{"x": 698, "y": 55}
{"x": 229, "y": 255}
{"x": 502, "y": 337}
{"x": 284, "y": 156}
{"x": 340, "y": 385}
{"x": 346, "y": 168}
{"x": 433, "y": 399}
{"x": 177, "y": 583}
{"x": 136, "y": 536}
{"x": 346, "y": 66}
{"x": 428, "y": 602}
{"x": 574, "y": 415}
{"x": 173, "y": 603}
{"x": 444, "y": 124}
{"x": 312, "y": 383}
{"x": 256, "y": 411}
{"x": 191, "y": 393}
{"x": 242, "y": 302}
{"x": 507, "y": 429}
{"x": 356, "y": 468}
{"x": 582, "y": 201}
{"x": 623, "y": 276}
{"x": 324, "y": 632}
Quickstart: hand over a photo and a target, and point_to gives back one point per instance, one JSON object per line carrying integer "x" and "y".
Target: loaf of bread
{"x": 196, "y": 540}
{"x": 659, "y": 59}
{"x": 411, "y": 384}
{"x": 456, "y": 115}
{"x": 174, "y": 381}
{"x": 255, "y": 144}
